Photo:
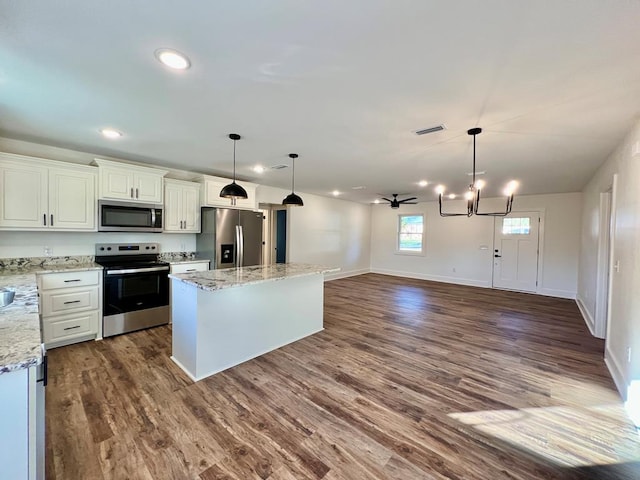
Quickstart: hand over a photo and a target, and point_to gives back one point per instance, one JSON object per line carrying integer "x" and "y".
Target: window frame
{"x": 399, "y": 232}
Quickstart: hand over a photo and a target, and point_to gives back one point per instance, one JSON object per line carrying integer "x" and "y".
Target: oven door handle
{"x": 137, "y": 270}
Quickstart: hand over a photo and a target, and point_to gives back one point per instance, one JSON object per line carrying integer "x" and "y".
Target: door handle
{"x": 44, "y": 216}
{"x": 52, "y": 219}
{"x": 131, "y": 192}
{"x": 498, "y": 256}
{"x": 137, "y": 196}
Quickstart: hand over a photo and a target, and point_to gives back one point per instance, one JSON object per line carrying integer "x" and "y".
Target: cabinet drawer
{"x": 70, "y": 326}
{"x": 50, "y": 281}
{"x": 189, "y": 267}
{"x": 64, "y": 301}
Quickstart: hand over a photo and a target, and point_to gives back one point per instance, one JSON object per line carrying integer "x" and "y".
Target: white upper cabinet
{"x": 210, "y": 193}
{"x": 181, "y": 206}
{"x": 133, "y": 183}
{"x": 39, "y": 194}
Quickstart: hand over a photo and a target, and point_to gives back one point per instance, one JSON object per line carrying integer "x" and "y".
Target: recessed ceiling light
{"x": 423, "y": 183}
{"x": 377, "y": 200}
{"x": 110, "y": 133}
{"x": 258, "y": 169}
{"x": 335, "y": 193}
{"x": 452, "y": 196}
{"x": 173, "y": 58}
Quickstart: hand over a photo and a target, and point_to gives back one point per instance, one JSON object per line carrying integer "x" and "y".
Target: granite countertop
{"x": 236, "y": 277}
{"x": 20, "y": 337}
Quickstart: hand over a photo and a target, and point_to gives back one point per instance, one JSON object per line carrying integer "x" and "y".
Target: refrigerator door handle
{"x": 237, "y": 249}
{"x": 240, "y": 246}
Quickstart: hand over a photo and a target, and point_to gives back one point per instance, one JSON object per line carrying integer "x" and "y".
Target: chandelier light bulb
{"x": 440, "y": 189}
{"x": 468, "y": 195}
{"x": 480, "y": 184}
{"x": 512, "y": 186}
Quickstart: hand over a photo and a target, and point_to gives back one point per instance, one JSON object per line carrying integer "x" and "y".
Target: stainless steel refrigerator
{"x": 230, "y": 238}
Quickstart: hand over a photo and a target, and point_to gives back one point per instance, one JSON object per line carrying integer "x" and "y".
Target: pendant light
{"x": 233, "y": 190}
{"x": 473, "y": 193}
{"x": 292, "y": 198}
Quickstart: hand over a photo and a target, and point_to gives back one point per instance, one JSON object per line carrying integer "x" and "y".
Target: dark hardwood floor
{"x": 409, "y": 380}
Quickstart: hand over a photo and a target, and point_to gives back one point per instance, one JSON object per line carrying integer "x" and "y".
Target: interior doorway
{"x": 516, "y": 251}
{"x": 604, "y": 265}
{"x": 280, "y": 236}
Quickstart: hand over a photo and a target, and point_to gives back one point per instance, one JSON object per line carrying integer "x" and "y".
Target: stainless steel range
{"x": 136, "y": 287}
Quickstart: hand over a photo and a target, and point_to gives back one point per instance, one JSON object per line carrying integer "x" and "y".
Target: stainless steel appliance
{"x": 136, "y": 287}
{"x": 114, "y": 216}
{"x": 41, "y": 383}
{"x": 230, "y": 238}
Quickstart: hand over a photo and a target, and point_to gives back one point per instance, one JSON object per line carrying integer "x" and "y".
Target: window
{"x": 410, "y": 233}
{"x": 516, "y": 226}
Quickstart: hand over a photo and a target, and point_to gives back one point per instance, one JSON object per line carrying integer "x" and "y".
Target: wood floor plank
{"x": 409, "y": 380}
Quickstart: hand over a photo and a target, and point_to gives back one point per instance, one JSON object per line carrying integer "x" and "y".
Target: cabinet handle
{"x": 131, "y": 192}
{"x": 44, "y": 219}
{"x": 137, "y": 193}
{"x": 52, "y": 219}
{"x": 72, "y": 301}
{"x": 71, "y": 328}
{"x": 191, "y": 270}
{"x": 74, "y": 280}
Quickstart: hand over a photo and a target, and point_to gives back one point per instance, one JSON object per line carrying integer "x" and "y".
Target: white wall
{"x": 31, "y": 244}
{"x": 624, "y": 321}
{"x": 455, "y": 245}
{"x": 326, "y": 231}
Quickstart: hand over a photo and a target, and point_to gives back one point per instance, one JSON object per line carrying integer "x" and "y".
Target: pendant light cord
{"x": 474, "y": 161}
{"x": 234, "y": 159}
{"x": 293, "y": 176}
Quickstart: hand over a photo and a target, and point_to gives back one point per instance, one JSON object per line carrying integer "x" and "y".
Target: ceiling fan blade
{"x": 410, "y": 203}
{"x": 383, "y": 198}
{"x": 407, "y": 199}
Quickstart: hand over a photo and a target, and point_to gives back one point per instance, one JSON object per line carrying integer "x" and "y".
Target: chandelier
{"x": 472, "y": 196}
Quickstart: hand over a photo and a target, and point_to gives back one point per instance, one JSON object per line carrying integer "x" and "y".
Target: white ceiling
{"x": 555, "y": 85}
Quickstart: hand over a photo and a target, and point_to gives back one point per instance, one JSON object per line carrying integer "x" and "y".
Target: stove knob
{"x": 153, "y": 248}
{"x": 108, "y": 248}
{"x": 102, "y": 248}
{"x": 147, "y": 247}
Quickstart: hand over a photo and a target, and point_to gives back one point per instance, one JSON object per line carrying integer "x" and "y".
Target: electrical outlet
{"x": 48, "y": 251}
{"x": 628, "y": 354}
{"x": 183, "y": 247}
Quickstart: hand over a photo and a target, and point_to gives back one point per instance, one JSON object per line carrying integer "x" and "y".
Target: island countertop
{"x": 212, "y": 280}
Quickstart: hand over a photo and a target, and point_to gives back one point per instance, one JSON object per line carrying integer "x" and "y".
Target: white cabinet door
{"x": 116, "y": 183}
{"x": 72, "y": 199}
{"x": 173, "y": 208}
{"x": 211, "y": 194}
{"x": 191, "y": 208}
{"x": 23, "y": 195}
{"x": 194, "y": 266}
{"x": 250, "y": 201}
{"x": 147, "y": 187}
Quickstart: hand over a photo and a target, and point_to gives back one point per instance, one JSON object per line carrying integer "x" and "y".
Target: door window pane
{"x": 516, "y": 226}
{"x": 411, "y": 233}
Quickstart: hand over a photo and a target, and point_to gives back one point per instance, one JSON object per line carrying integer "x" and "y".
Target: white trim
{"x": 588, "y": 319}
{"x": 349, "y": 273}
{"x": 616, "y": 372}
{"x": 612, "y": 243}
{"x": 554, "y": 292}
{"x": 433, "y": 278}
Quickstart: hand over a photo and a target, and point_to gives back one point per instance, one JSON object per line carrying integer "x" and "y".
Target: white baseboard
{"x": 433, "y": 278}
{"x": 350, "y": 273}
{"x": 552, "y": 292}
{"x": 588, "y": 319}
{"x": 616, "y": 372}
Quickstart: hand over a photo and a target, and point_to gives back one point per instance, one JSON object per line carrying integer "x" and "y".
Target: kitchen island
{"x": 224, "y": 317}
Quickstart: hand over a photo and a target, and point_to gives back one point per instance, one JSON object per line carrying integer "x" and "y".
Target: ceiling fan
{"x": 395, "y": 203}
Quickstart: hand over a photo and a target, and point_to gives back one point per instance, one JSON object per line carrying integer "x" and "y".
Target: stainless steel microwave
{"x": 114, "y": 216}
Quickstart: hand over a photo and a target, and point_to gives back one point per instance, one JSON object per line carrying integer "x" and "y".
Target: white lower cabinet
{"x": 70, "y": 306}
{"x": 22, "y": 425}
{"x": 194, "y": 266}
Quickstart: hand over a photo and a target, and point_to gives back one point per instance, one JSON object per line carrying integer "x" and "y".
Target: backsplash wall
{"x": 32, "y": 244}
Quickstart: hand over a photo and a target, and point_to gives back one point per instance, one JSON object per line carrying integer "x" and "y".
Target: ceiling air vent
{"x": 437, "y": 128}
{"x": 280, "y": 166}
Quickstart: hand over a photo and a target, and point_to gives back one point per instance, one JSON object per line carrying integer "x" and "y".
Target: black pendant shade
{"x": 292, "y": 198}
{"x": 233, "y": 190}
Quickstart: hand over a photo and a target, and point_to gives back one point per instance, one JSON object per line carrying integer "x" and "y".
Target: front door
{"x": 515, "y": 262}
